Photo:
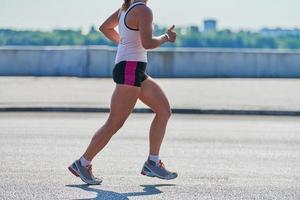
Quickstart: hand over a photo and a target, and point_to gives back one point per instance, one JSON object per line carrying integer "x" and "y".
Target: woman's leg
{"x": 153, "y": 96}
{"x": 122, "y": 103}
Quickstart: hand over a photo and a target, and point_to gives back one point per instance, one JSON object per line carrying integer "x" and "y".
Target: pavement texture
{"x": 217, "y": 157}
{"x": 187, "y": 94}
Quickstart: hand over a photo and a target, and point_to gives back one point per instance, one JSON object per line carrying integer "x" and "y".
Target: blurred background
{"x": 230, "y": 24}
{"x": 216, "y": 40}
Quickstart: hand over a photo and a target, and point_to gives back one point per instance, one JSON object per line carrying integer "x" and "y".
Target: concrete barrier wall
{"x": 99, "y": 61}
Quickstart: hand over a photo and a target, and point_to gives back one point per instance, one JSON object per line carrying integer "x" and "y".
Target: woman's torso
{"x": 130, "y": 47}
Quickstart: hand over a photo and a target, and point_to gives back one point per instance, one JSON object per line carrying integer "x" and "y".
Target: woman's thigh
{"x": 123, "y": 101}
{"x": 154, "y": 97}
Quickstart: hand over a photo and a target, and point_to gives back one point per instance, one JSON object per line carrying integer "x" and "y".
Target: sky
{"x": 81, "y": 14}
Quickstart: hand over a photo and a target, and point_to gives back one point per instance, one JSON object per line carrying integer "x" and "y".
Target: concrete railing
{"x": 91, "y": 61}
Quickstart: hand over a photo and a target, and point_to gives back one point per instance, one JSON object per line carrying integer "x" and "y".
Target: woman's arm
{"x": 145, "y": 27}
{"x": 108, "y": 27}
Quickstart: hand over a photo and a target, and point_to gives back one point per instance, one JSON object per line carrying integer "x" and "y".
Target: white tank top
{"x": 130, "y": 47}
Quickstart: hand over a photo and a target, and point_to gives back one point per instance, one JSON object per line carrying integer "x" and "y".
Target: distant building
{"x": 194, "y": 29}
{"x": 280, "y": 32}
{"x": 210, "y": 25}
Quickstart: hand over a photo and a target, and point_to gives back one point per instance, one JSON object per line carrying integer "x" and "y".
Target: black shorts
{"x": 130, "y": 73}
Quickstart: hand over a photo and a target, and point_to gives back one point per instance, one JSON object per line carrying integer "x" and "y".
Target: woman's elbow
{"x": 147, "y": 45}
{"x": 101, "y": 28}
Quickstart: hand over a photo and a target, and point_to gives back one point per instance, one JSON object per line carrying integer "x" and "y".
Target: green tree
{"x": 187, "y": 37}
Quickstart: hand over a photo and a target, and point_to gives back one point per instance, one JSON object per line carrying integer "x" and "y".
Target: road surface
{"x": 217, "y": 157}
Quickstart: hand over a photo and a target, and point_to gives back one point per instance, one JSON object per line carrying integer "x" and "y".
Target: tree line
{"x": 187, "y": 37}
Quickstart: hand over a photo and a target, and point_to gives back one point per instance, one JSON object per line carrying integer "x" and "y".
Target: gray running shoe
{"x": 85, "y": 173}
{"x": 152, "y": 170}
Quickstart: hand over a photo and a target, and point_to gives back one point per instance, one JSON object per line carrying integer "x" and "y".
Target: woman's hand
{"x": 171, "y": 34}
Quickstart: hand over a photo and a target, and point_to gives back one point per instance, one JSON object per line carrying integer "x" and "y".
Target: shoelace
{"x": 161, "y": 164}
{"x": 89, "y": 169}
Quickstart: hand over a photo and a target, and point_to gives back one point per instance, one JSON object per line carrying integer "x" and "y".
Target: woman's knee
{"x": 164, "y": 113}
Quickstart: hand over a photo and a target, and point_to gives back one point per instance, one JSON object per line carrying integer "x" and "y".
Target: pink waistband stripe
{"x": 130, "y": 69}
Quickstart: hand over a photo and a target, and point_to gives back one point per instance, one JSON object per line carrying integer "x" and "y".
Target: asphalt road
{"x": 217, "y": 157}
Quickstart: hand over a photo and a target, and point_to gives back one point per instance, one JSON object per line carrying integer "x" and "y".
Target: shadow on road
{"x": 103, "y": 194}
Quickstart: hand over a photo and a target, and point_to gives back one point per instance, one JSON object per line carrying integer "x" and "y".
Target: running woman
{"x": 135, "y": 36}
